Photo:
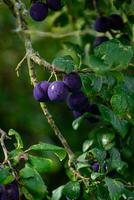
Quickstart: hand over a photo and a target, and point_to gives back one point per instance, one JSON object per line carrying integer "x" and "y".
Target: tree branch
{"x": 5, "y": 151}
{"x": 18, "y": 8}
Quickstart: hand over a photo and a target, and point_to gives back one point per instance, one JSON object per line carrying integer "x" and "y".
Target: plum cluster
{"x": 70, "y": 90}
{"x": 55, "y": 91}
{"x": 104, "y": 23}
{"x": 9, "y": 191}
{"x": 39, "y": 10}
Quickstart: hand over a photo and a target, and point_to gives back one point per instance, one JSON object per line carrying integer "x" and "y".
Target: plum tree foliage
{"x": 93, "y": 75}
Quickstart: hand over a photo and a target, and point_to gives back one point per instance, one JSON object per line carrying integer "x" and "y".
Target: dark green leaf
{"x": 102, "y": 193}
{"x": 108, "y": 141}
{"x": 115, "y": 188}
{"x": 86, "y": 83}
{"x": 27, "y": 194}
{"x": 5, "y": 176}
{"x": 122, "y": 100}
{"x": 33, "y": 182}
{"x": 114, "y": 54}
{"x": 131, "y": 7}
{"x": 57, "y": 193}
{"x": 74, "y": 47}
{"x": 77, "y": 122}
{"x": 15, "y": 155}
{"x": 99, "y": 154}
{"x": 59, "y": 151}
{"x": 95, "y": 175}
{"x": 40, "y": 164}
{"x": 61, "y": 20}
{"x": 119, "y": 124}
{"x": 97, "y": 65}
{"x": 64, "y": 63}
{"x": 72, "y": 189}
{"x": 128, "y": 194}
{"x": 115, "y": 160}
{"x": 119, "y": 103}
{"x": 86, "y": 145}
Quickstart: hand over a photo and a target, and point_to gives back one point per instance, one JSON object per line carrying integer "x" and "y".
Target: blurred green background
{"x": 18, "y": 109}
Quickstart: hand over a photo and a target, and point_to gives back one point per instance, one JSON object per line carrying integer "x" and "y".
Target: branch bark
{"x": 5, "y": 151}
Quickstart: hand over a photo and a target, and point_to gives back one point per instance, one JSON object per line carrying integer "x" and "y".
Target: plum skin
{"x": 95, "y": 167}
{"x": 100, "y": 40}
{"x": 102, "y": 24}
{"x": 72, "y": 81}
{"x": 38, "y": 11}
{"x": 54, "y": 4}
{"x": 40, "y": 91}
{"x": 9, "y": 191}
{"x": 116, "y": 22}
{"x": 76, "y": 114}
{"x": 77, "y": 101}
{"x": 57, "y": 91}
{"x": 91, "y": 108}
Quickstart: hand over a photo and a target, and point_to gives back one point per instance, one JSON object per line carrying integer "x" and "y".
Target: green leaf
{"x": 19, "y": 144}
{"x": 96, "y": 82}
{"x": 114, "y": 54}
{"x": 27, "y": 194}
{"x": 119, "y": 103}
{"x": 32, "y": 181}
{"x": 64, "y": 63}
{"x": 5, "y": 176}
{"x": 15, "y": 155}
{"x": 128, "y": 194}
{"x": 86, "y": 145}
{"x": 122, "y": 100}
{"x": 99, "y": 154}
{"x": 115, "y": 162}
{"x": 72, "y": 189}
{"x": 107, "y": 140}
{"x": 131, "y": 7}
{"x": 86, "y": 83}
{"x": 82, "y": 162}
{"x": 40, "y": 164}
{"x": 57, "y": 193}
{"x": 102, "y": 192}
{"x": 74, "y": 47}
{"x": 59, "y": 151}
{"x": 115, "y": 188}
{"x": 77, "y": 122}
{"x": 81, "y": 165}
{"x": 61, "y": 20}
{"x": 82, "y": 157}
{"x": 27, "y": 172}
{"x": 120, "y": 125}
{"x": 97, "y": 65}
{"x": 95, "y": 175}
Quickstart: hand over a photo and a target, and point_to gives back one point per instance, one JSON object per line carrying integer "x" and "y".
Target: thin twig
{"x": 64, "y": 35}
{"x": 19, "y": 65}
{"x": 5, "y": 151}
